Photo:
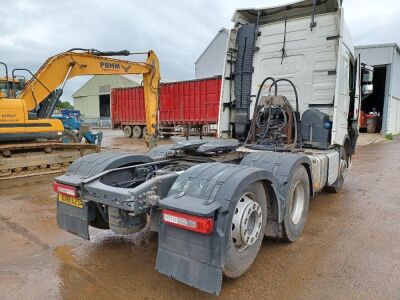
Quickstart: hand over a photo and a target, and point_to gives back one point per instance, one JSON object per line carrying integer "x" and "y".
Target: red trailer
{"x": 193, "y": 103}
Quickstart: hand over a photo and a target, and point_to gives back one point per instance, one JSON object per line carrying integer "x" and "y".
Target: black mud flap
{"x": 208, "y": 190}
{"x": 194, "y": 273}
{"x": 73, "y": 219}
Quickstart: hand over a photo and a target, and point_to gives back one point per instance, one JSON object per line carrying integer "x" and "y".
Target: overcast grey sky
{"x": 178, "y": 30}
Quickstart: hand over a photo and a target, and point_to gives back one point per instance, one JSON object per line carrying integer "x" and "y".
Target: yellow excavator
{"x": 30, "y": 138}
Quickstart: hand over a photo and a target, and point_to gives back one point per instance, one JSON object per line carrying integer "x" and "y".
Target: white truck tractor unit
{"x": 289, "y": 106}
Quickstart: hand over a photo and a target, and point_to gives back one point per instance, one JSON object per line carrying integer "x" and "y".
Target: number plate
{"x": 70, "y": 200}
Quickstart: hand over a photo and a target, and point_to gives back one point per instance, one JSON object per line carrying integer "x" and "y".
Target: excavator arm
{"x": 61, "y": 67}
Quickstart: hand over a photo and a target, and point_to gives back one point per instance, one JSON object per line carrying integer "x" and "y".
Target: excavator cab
{"x": 10, "y": 87}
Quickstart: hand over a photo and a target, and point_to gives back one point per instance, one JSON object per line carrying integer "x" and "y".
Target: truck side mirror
{"x": 367, "y": 86}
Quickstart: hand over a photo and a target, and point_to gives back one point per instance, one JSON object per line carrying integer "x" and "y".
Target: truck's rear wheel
{"x": 297, "y": 205}
{"x": 247, "y": 230}
{"x": 127, "y": 131}
{"x": 137, "y": 132}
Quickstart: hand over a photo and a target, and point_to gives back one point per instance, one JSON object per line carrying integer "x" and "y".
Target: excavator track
{"x": 22, "y": 160}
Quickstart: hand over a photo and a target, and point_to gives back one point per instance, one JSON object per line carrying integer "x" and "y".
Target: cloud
{"x": 178, "y": 30}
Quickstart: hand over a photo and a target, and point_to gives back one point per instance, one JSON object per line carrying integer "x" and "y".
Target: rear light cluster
{"x": 64, "y": 189}
{"x": 188, "y": 222}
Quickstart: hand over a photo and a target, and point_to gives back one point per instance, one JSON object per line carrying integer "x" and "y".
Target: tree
{"x": 64, "y": 105}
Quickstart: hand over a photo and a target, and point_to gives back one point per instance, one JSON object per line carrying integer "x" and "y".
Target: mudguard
{"x": 281, "y": 165}
{"x": 76, "y": 220}
{"x": 93, "y": 164}
{"x": 208, "y": 190}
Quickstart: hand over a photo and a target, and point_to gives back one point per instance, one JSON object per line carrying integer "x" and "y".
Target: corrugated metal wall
{"x": 211, "y": 62}
{"x": 393, "y": 121}
{"x": 191, "y": 102}
{"x": 88, "y": 105}
{"x": 86, "y": 99}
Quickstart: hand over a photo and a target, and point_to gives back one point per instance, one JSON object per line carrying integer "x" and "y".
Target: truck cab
{"x": 307, "y": 42}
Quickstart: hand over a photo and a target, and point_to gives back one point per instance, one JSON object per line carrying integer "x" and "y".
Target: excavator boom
{"x": 61, "y": 67}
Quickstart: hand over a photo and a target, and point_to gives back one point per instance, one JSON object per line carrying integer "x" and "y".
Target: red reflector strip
{"x": 64, "y": 189}
{"x": 188, "y": 222}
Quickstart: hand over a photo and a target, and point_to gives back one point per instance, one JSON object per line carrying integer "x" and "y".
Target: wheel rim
{"x": 246, "y": 222}
{"x": 298, "y": 201}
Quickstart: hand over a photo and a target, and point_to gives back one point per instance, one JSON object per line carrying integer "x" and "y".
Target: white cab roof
{"x": 291, "y": 10}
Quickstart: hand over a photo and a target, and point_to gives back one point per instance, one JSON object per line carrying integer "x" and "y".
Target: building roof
{"x": 387, "y": 45}
{"x": 91, "y": 88}
{"x": 222, "y": 30}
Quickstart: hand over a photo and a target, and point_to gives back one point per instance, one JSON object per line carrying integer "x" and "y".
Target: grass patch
{"x": 389, "y": 136}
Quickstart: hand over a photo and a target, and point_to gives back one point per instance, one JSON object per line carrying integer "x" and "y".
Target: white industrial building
{"x": 385, "y": 58}
{"x": 93, "y": 99}
{"x": 211, "y": 62}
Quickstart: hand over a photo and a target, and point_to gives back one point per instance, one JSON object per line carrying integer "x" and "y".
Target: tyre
{"x": 137, "y": 132}
{"x": 338, "y": 185}
{"x": 69, "y": 136}
{"x": 144, "y": 131}
{"x": 247, "y": 230}
{"x": 127, "y": 131}
{"x": 121, "y": 223}
{"x": 297, "y": 206}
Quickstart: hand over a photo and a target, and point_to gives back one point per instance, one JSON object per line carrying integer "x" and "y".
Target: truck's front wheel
{"x": 247, "y": 230}
{"x": 297, "y": 205}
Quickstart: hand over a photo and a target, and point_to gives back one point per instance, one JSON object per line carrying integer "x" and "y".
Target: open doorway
{"x": 104, "y": 101}
{"x": 372, "y": 107}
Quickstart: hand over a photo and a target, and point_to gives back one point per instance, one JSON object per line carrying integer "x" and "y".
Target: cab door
{"x": 342, "y": 90}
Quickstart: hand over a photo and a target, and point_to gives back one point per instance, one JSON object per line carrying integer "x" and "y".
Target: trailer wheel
{"x": 69, "y": 136}
{"x": 338, "y": 185}
{"x": 247, "y": 230}
{"x": 136, "y": 132}
{"x": 127, "y": 131}
{"x": 144, "y": 130}
{"x": 297, "y": 205}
